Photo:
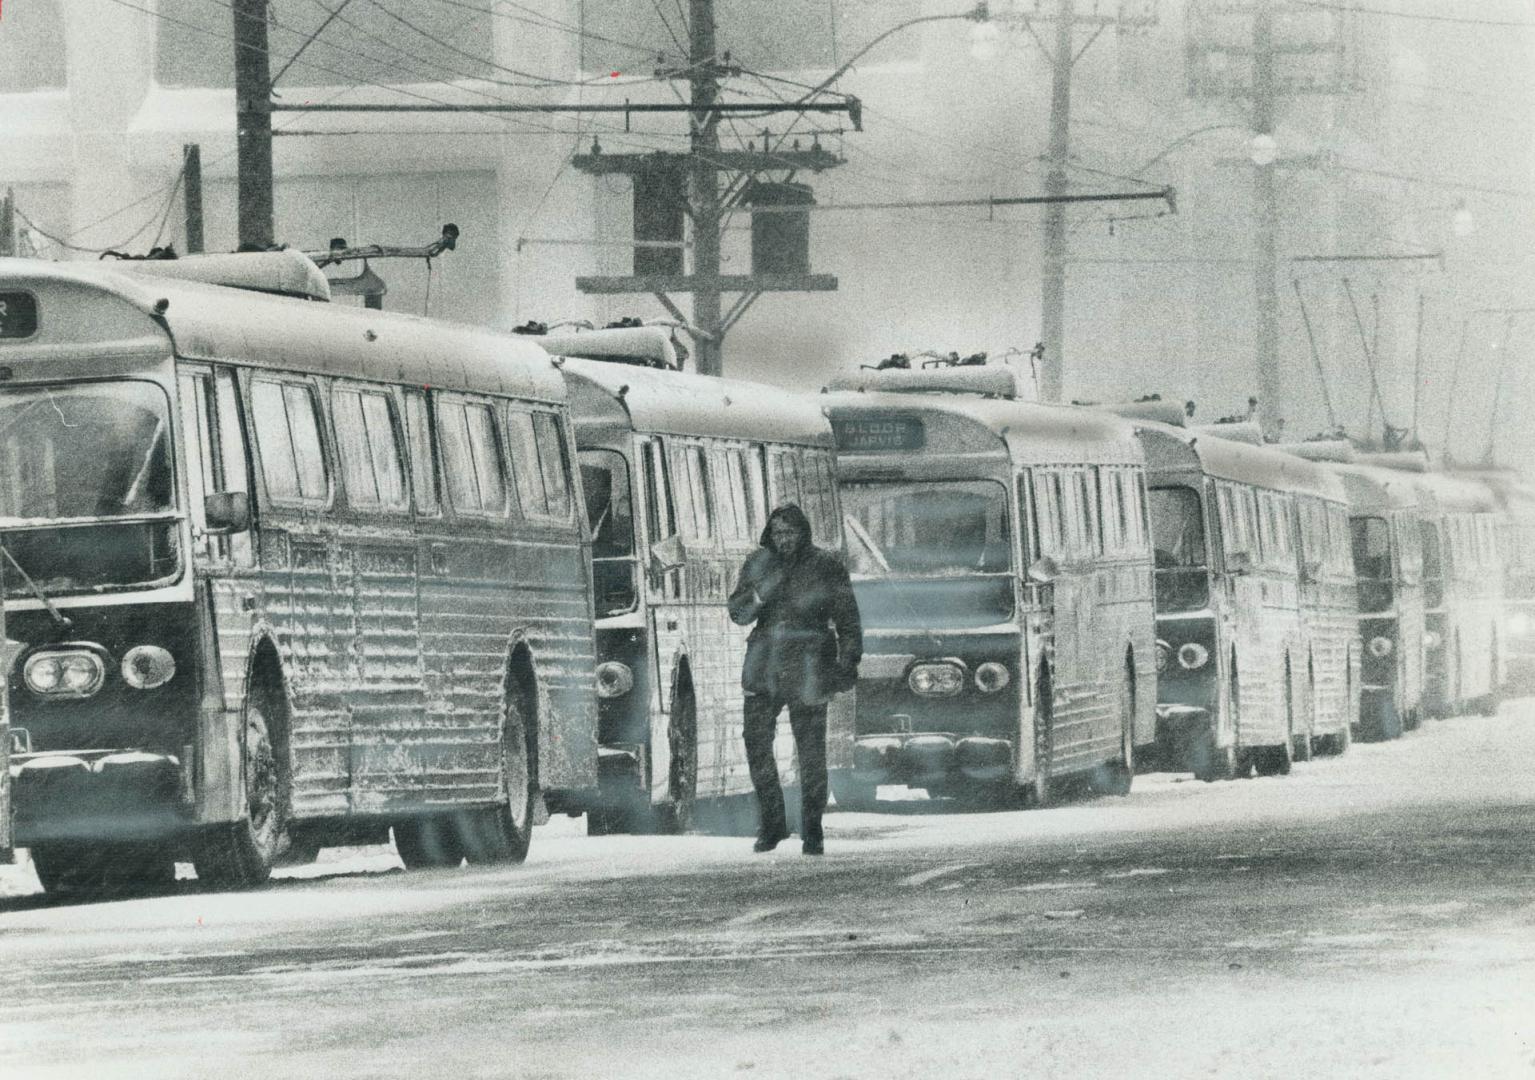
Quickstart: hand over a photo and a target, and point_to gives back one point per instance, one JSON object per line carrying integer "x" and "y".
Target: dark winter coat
{"x": 808, "y": 639}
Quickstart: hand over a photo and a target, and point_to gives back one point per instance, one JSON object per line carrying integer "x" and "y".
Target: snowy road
{"x": 1371, "y": 916}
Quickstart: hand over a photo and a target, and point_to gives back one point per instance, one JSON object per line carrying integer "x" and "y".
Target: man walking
{"x": 804, "y": 648}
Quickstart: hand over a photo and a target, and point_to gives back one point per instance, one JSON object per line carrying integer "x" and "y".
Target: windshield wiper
{"x": 62, "y": 621}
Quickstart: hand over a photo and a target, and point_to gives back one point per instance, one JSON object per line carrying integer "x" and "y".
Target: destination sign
{"x": 18, "y": 315}
{"x": 877, "y": 435}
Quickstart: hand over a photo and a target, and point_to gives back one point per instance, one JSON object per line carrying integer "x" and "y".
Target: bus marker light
{"x": 936, "y": 679}
{"x": 64, "y": 673}
{"x": 1379, "y": 646}
{"x": 992, "y": 676}
{"x": 1164, "y": 656}
{"x": 1193, "y": 656}
{"x": 614, "y": 679}
{"x": 1431, "y": 639}
{"x": 146, "y": 667}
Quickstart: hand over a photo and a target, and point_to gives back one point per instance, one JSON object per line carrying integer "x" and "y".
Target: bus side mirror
{"x": 227, "y": 511}
{"x": 1043, "y": 571}
{"x": 667, "y": 554}
{"x": 1238, "y": 563}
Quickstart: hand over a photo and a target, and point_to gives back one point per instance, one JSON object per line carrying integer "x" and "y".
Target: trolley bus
{"x": 286, "y": 575}
{"x": 679, "y": 472}
{"x": 1255, "y": 601}
{"x": 1516, "y": 549}
{"x": 9, "y": 650}
{"x": 1462, "y": 586}
{"x": 1000, "y": 555}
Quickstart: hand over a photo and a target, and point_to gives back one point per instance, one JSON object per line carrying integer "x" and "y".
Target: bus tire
{"x": 1301, "y": 746}
{"x": 1273, "y": 760}
{"x": 90, "y": 871}
{"x": 428, "y": 842}
{"x": 241, "y": 855}
{"x": 1116, "y": 777}
{"x": 676, "y": 816}
{"x": 502, "y": 833}
{"x": 852, "y": 794}
{"x": 1211, "y": 762}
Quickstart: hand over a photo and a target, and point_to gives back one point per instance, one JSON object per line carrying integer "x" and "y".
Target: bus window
{"x": 1049, "y": 510}
{"x": 1178, "y": 540}
{"x": 610, "y": 513}
{"x": 369, "y": 449}
{"x": 928, "y": 528}
{"x": 231, "y": 461}
{"x": 288, "y": 434}
{"x": 1372, "y": 562}
{"x": 785, "y": 477}
{"x": 692, "y": 493}
{"x": 196, "y": 405}
{"x": 658, "y": 494}
{"x": 819, "y": 504}
{"x": 1087, "y": 500}
{"x": 423, "y": 455}
{"x": 730, "y": 485}
{"x": 471, "y": 457}
{"x": 756, "y": 492}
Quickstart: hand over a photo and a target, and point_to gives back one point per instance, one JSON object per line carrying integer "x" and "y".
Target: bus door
{"x": 664, "y": 570}
{"x": 1054, "y": 595}
{"x": 9, "y": 651}
{"x": 223, "y": 558}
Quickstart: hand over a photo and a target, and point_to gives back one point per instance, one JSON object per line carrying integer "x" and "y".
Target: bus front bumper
{"x": 931, "y": 759}
{"x": 98, "y": 795}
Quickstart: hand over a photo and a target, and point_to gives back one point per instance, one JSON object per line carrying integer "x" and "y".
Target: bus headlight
{"x": 992, "y": 676}
{"x": 1164, "y": 657}
{"x": 614, "y": 679}
{"x": 1192, "y": 656}
{"x": 146, "y": 667}
{"x": 64, "y": 673}
{"x": 936, "y": 679}
{"x": 1379, "y": 646}
{"x": 1431, "y": 639}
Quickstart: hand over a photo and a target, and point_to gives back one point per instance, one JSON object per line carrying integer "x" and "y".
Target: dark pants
{"x": 809, "y": 725}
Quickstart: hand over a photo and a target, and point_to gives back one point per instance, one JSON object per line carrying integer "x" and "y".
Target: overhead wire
{"x": 1357, "y": 9}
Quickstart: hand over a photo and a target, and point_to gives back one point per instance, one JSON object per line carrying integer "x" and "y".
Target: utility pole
{"x": 192, "y": 179}
{"x": 1053, "y": 279}
{"x": 1063, "y": 58}
{"x": 253, "y": 123}
{"x": 703, "y": 187}
{"x": 1266, "y": 226}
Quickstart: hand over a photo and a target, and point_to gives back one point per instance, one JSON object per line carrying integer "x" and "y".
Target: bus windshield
{"x": 1372, "y": 562}
{"x": 610, "y": 512}
{"x": 930, "y": 554}
{"x": 1178, "y": 537}
{"x": 89, "y": 500}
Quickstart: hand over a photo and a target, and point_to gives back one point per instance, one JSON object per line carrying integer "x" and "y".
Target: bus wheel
{"x": 852, "y": 794}
{"x": 241, "y": 855}
{"x": 1212, "y": 762}
{"x": 1274, "y": 760}
{"x": 502, "y": 833}
{"x": 682, "y": 776}
{"x": 99, "y": 871}
{"x": 1115, "y": 777}
{"x": 428, "y": 842}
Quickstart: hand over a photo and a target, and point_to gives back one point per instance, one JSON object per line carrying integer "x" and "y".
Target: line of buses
{"x": 281, "y": 575}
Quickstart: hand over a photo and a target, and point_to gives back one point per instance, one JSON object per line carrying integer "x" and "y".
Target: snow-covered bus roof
{"x": 1515, "y": 494}
{"x": 1373, "y": 490}
{"x": 1027, "y": 433}
{"x": 603, "y": 393}
{"x": 1446, "y": 494}
{"x": 1175, "y": 449}
{"x": 86, "y": 308}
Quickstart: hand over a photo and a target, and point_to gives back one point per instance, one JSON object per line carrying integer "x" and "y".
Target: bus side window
{"x": 539, "y": 466}
{"x": 756, "y": 492}
{"x": 1049, "y": 512}
{"x": 661, "y": 521}
{"x": 1028, "y": 525}
{"x": 471, "y": 457}
{"x": 369, "y": 449}
{"x": 784, "y": 473}
{"x": 816, "y": 482}
{"x": 196, "y": 394}
{"x": 726, "y": 465}
{"x": 699, "y": 494}
{"x": 1092, "y": 535}
{"x": 288, "y": 433}
{"x": 423, "y": 455}
{"x": 231, "y": 461}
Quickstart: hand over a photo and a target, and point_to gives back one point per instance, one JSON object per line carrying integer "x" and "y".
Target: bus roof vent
{"x": 1338, "y": 451}
{"x": 286, "y": 273}
{"x": 1403, "y": 460}
{"x": 643, "y": 346}
{"x": 1244, "y": 431}
{"x": 987, "y": 381}
{"x": 1173, "y": 413}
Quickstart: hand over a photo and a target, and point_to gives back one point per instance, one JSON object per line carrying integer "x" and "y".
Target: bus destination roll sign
{"x": 18, "y": 314}
{"x": 879, "y": 436}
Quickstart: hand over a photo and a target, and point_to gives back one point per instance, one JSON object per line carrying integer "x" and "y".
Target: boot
{"x": 769, "y": 837}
